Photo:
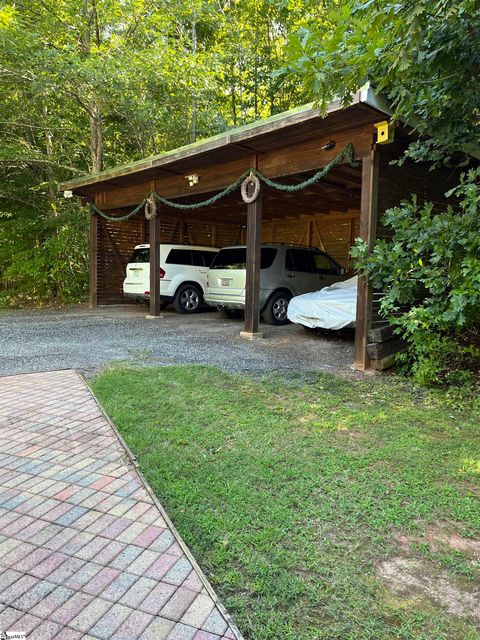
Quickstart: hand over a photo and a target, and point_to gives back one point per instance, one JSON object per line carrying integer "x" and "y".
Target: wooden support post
{"x": 352, "y": 240}
{"x": 310, "y": 234}
{"x": 172, "y": 234}
{"x": 252, "y": 288}
{"x": 368, "y": 230}
{"x": 154, "y": 233}
{"x": 322, "y": 244}
{"x": 93, "y": 257}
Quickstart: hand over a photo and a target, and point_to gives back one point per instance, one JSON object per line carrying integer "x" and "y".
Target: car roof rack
{"x": 293, "y": 245}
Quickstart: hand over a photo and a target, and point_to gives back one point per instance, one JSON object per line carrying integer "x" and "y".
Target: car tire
{"x": 229, "y": 314}
{"x": 188, "y": 299}
{"x": 275, "y": 311}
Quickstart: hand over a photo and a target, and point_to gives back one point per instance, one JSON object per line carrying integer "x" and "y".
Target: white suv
{"x": 183, "y": 275}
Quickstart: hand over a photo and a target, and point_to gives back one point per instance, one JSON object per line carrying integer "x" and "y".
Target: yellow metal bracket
{"x": 385, "y": 132}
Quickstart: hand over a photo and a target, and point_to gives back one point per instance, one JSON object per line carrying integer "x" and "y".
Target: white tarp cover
{"x": 333, "y": 307}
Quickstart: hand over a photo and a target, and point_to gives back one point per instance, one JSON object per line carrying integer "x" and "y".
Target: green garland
{"x": 346, "y": 153}
{"x": 94, "y": 209}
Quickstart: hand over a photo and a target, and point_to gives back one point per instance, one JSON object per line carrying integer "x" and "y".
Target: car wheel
{"x": 227, "y": 313}
{"x": 275, "y": 311}
{"x": 188, "y": 299}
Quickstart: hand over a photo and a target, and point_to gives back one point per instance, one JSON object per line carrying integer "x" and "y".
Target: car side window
{"x": 208, "y": 257}
{"x": 140, "y": 255}
{"x": 179, "y": 256}
{"x": 267, "y": 257}
{"x": 323, "y": 264}
{"x": 197, "y": 258}
{"x": 299, "y": 260}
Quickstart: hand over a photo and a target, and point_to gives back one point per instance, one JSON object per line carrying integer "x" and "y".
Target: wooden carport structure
{"x": 291, "y": 146}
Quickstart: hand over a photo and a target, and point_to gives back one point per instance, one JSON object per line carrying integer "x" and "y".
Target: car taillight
{"x": 162, "y": 273}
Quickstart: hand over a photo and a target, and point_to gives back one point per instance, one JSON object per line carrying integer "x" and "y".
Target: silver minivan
{"x": 285, "y": 271}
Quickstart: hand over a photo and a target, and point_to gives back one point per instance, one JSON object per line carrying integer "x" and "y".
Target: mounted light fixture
{"x": 192, "y": 179}
{"x": 331, "y": 144}
{"x": 68, "y": 194}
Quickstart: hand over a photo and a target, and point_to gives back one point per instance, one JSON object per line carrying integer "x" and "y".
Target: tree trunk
{"x": 233, "y": 96}
{"x": 96, "y": 135}
{"x": 271, "y": 83}
{"x": 49, "y": 154}
{"x": 193, "y": 134}
{"x": 94, "y": 107}
{"x": 255, "y": 68}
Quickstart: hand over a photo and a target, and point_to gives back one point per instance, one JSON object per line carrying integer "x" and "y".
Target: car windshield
{"x": 140, "y": 255}
{"x": 236, "y": 258}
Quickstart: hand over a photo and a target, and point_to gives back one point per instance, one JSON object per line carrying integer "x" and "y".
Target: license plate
{"x": 225, "y": 282}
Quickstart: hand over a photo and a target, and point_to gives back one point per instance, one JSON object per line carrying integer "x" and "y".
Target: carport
{"x": 288, "y": 148}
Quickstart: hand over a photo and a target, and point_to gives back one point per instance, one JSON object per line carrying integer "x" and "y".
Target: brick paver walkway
{"x": 85, "y": 551}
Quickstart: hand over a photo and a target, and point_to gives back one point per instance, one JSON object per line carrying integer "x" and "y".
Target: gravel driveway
{"x": 87, "y": 339}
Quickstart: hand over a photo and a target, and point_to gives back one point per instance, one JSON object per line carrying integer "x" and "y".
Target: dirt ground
{"x": 409, "y": 576}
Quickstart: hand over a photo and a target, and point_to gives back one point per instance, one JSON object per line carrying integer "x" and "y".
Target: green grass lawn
{"x": 295, "y": 496}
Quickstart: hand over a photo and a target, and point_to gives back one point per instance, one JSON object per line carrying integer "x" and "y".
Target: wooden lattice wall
{"x": 115, "y": 241}
{"x": 333, "y": 236}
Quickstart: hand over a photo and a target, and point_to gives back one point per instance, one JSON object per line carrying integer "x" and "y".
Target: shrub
{"x": 43, "y": 257}
{"x": 431, "y": 265}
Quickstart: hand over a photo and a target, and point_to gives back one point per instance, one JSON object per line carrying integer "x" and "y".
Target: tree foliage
{"x": 432, "y": 265}
{"x": 90, "y": 84}
{"x": 423, "y": 55}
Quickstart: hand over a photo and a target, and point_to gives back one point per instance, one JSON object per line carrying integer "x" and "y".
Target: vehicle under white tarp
{"x": 332, "y": 307}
